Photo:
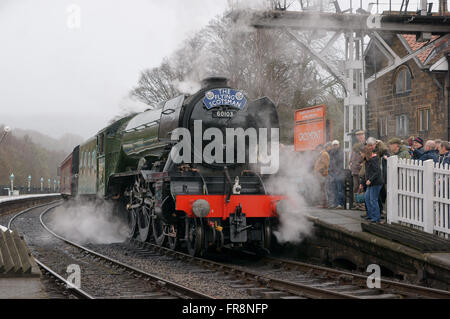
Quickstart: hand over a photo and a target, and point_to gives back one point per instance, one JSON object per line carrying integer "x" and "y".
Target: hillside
{"x": 23, "y": 157}
{"x": 65, "y": 143}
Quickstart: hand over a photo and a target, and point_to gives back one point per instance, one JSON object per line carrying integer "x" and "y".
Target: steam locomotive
{"x": 196, "y": 204}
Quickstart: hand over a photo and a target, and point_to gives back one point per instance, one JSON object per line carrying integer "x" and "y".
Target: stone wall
{"x": 383, "y": 102}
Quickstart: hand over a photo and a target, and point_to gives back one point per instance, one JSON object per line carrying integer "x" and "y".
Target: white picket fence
{"x": 418, "y": 195}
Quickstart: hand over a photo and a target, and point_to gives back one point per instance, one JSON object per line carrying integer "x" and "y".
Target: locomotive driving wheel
{"x": 131, "y": 216}
{"x": 158, "y": 227}
{"x": 144, "y": 223}
{"x": 172, "y": 239}
{"x": 195, "y": 237}
{"x": 131, "y": 222}
{"x": 267, "y": 234}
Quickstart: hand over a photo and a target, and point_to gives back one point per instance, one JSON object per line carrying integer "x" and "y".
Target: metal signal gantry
{"x": 354, "y": 27}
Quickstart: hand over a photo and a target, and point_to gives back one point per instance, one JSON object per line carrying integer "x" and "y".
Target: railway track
{"x": 59, "y": 280}
{"x": 271, "y": 278}
{"x": 256, "y": 284}
{"x": 106, "y": 277}
{"x": 394, "y": 287}
{"x": 287, "y": 279}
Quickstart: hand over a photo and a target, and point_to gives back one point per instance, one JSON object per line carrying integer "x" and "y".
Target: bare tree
{"x": 261, "y": 62}
{"x": 155, "y": 85}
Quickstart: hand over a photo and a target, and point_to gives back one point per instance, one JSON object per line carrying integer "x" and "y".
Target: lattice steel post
{"x": 355, "y": 100}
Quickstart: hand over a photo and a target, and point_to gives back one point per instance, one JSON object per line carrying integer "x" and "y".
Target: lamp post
{"x": 11, "y": 177}
{"x": 6, "y": 130}
{"x": 42, "y": 184}
{"x": 29, "y": 183}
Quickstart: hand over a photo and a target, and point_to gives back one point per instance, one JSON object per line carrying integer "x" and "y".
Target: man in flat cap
{"x": 397, "y": 148}
{"x": 336, "y": 177}
{"x": 321, "y": 166}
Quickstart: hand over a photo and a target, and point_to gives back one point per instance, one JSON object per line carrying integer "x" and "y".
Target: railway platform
{"x": 20, "y": 277}
{"x": 343, "y": 238}
{"x": 13, "y": 204}
{"x": 4, "y": 199}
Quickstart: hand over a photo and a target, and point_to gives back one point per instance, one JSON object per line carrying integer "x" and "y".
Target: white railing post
{"x": 392, "y": 189}
{"x": 428, "y": 192}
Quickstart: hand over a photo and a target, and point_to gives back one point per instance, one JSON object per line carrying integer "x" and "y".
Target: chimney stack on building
{"x": 443, "y": 10}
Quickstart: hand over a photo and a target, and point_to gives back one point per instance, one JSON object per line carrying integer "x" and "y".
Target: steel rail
{"x": 266, "y": 281}
{"x": 396, "y": 287}
{"x": 78, "y": 292}
{"x": 11, "y": 220}
{"x": 171, "y": 287}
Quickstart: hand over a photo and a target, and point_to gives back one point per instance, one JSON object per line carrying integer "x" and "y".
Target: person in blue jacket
{"x": 373, "y": 179}
{"x": 430, "y": 152}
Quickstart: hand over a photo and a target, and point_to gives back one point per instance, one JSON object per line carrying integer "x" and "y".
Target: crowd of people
{"x": 368, "y": 168}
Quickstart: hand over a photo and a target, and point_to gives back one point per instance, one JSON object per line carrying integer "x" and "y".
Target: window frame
{"x": 403, "y": 71}
{"x": 421, "y": 119}
{"x": 383, "y": 129}
{"x": 405, "y": 130}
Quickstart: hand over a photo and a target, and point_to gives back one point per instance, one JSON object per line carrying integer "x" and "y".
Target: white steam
{"x": 187, "y": 86}
{"x": 88, "y": 222}
{"x": 295, "y": 180}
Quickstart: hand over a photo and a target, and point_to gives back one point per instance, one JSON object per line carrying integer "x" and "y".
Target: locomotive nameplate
{"x": 224, "y": 97}
{"x": 223, "y": 113}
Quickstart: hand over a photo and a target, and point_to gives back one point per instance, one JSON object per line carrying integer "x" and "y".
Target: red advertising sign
{"x": 310, "y": 127}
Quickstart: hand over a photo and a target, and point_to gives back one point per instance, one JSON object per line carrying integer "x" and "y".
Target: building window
{"x": 383, "y": 126}
{"x": 402, "y": 124}
{"x": 423, "y": 119}
{"x": 403, "y": 81}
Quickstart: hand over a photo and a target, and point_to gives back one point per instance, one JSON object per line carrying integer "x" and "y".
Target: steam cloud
{"x": 187, "y": 86}
{"x": 295, "y": 179}
{"x": 88, "y": 222}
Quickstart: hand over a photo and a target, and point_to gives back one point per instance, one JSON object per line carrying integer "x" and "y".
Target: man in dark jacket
{"x": 379, "y": 148}
{"x": 417, "y": 148}
{"x": 430, "y": 152}
{"x": 373, "y": 180}
{"x": 355, "y": 164}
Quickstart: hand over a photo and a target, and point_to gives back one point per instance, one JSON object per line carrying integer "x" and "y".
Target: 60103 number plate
{"x": 223, "y": 114}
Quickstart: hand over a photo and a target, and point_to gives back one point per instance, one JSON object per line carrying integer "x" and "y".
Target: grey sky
{"x": 56, "y": 80}
{"x": 59, "y": 80}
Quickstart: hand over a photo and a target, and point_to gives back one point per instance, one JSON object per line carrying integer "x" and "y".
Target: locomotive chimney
{"x": 214, "y": 81}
